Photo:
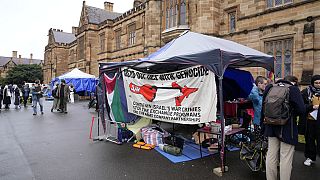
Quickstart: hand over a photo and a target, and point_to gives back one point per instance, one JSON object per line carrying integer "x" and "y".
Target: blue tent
{"x": 236, "y": 84}
{"x": 80, "y": 80}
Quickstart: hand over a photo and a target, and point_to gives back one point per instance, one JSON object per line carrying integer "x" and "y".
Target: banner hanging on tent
{"x": 187, "y": 96}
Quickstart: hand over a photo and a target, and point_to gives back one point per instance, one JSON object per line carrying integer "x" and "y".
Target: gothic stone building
{"x": 287, "y": 29}
{"x": 7, "y": 63}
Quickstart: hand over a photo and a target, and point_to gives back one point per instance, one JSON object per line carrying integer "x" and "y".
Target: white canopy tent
{"x": 81, "y": 81}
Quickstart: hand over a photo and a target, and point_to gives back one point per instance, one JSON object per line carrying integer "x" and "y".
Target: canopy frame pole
{"x": 222, "y": 151}
{"x": 223, "y": 168}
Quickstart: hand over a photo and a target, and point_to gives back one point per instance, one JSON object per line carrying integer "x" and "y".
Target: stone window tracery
{"x": 276, "y": 3}
{"x": 282, "y": 51}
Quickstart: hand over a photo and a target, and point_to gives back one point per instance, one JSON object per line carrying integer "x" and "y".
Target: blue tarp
{"x": 80, "y": 80}
{"x": 236, "y": 84}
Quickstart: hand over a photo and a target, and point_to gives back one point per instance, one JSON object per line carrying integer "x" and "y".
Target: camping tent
{"x": 191, "y": 49}
{"x": 80, "y": 80}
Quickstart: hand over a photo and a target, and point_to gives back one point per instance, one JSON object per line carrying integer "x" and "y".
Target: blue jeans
{"x": 34, "y": 103}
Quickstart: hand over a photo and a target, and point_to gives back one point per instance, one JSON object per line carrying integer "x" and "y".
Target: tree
{"x": 2, "y": 81}
{"x": 24, "y": 72}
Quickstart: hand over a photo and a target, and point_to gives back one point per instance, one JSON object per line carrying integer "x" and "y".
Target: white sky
{"x": 24, "y": 24}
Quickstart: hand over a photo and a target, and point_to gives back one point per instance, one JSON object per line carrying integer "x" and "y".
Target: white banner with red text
{"x": 186, "y": 96}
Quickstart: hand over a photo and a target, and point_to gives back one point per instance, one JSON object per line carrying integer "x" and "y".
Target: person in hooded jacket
{"x": 311, "y": 125}
{"x": 282, "y": 139}
{"x": 16, "y": 95}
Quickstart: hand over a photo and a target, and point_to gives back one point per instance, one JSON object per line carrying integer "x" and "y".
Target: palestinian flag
{"x": 117, "y": 99}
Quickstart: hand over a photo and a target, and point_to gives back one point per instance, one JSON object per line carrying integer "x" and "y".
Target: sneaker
{"x": 51, "y": 110}
{"x": 308, "y": 162}
{"x": 41, "y": 112}
{"x": 34, "y": 114}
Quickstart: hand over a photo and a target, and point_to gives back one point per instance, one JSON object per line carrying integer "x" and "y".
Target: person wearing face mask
{"x": 311, "y": 97}
{"x": 256, "y": 97}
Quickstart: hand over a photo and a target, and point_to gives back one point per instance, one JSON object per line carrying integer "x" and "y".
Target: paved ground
{"x": 56, "y": 146}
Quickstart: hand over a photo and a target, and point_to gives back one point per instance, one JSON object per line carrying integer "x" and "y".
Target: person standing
{"x": 11, "y": 90}
{"x": 16, "y": 95}
{"x": 6, "y": 97}
{"x": 25, "y": 93}
{"x": 32, "y": 95}
{"x": 281, "y": 138}
{"x": 37, "y": 97}
{"x": 1, "y": 96}
{"x": 311, "y": 97}
{"x": 71, "y": 88}
{"x": 55, "y": 104}
{"x": 256, "y": 97}
{"x": 63, "y": 93}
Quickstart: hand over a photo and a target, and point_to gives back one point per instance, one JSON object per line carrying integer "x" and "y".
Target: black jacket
{"x": 285, "y": 133}
{"x": 309, "y": 108}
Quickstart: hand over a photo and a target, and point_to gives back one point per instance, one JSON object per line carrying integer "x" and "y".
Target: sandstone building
{"x": 7, "y": 63}
{"x": 287, "y": 29}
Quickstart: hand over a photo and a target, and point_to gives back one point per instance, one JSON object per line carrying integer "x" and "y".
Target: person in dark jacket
{"x": 63, "y": 93}
{"x": 37, "y": 95}
{"x": 25, "y": 93}
{"x": 1, "y": 96}
{"x": 6, "y": 97}
{"x": 282, "y": 139}
{"x": 311, "y": 97}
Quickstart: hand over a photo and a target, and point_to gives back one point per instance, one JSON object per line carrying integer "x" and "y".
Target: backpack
{"x": 54, "y": 92}
{"x": 276, "y": 105}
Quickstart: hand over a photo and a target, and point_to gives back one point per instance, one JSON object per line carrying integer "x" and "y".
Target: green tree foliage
{"x": 2, "y": 81}
{"x": 24, "y": 72}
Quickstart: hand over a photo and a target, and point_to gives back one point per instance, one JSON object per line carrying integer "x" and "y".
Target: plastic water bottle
{"x": 170, "y": 149}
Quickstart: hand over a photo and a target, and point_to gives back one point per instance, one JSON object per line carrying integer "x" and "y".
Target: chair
{"x": 136, "y": 127}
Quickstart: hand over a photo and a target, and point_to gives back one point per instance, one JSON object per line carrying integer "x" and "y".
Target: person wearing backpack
{"x": 311, "y": 125}
{"x": 282, "y": 103}
{"x": 55, "y": 104}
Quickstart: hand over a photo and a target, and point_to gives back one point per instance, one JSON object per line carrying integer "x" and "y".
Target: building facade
{"x": 7, "y": 63}
{"x": 287, "y": 29}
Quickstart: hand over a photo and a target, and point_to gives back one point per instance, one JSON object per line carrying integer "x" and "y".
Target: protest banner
{"x": 186, "y": 96}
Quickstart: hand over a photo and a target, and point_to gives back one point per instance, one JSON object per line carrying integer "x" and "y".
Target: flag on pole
{"x": 271, "y": 76}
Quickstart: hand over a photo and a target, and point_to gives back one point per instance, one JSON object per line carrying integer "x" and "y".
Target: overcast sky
{"x": 25, "y": 23}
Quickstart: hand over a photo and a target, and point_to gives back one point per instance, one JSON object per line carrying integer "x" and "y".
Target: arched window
{"x": 287, "y": 56}
{"x": 183, "y": 12}
{"x": 167, "y": 18}
{"x": 175, "y": 13}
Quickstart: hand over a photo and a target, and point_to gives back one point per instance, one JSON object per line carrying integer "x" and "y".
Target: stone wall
{"x": 255, "y": 25}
